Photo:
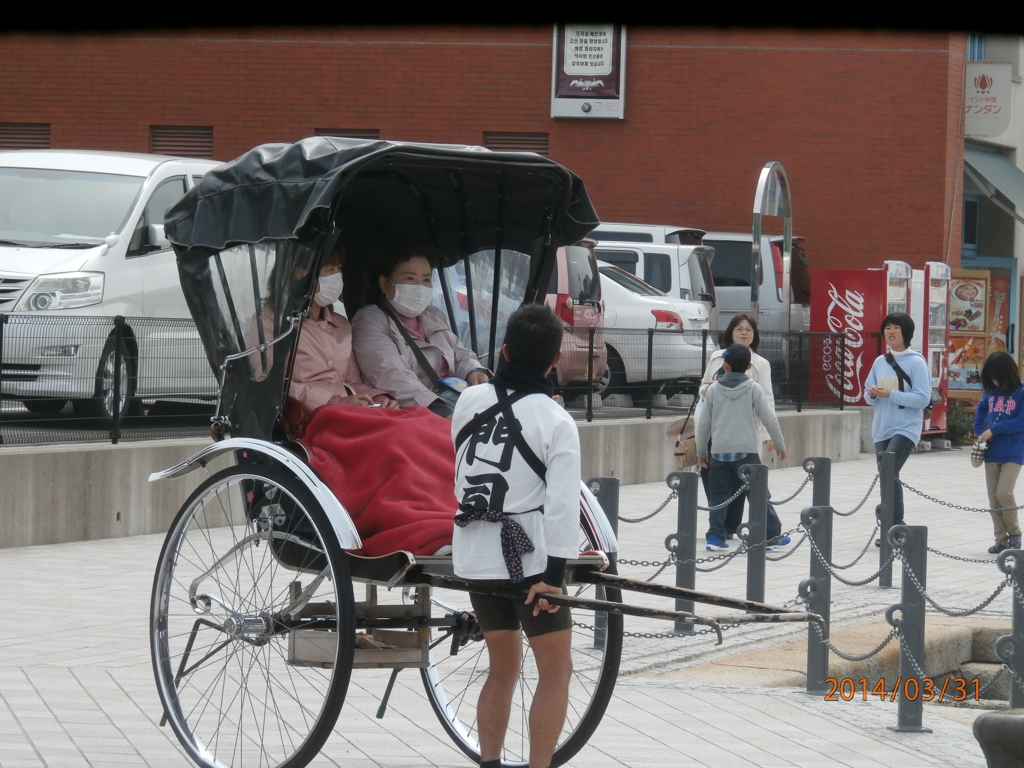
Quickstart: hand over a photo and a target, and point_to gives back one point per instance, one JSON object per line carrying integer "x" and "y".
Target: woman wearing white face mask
{"x": 405, "y": 285}
{"x": 325, "y": 370}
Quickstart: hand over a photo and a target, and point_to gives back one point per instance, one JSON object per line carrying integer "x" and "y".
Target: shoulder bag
{"x": 685, "y": 452}
{"x": 450, "y": 387}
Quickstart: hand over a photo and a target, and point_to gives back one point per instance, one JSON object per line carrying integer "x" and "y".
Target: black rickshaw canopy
{"x": 251, "y": 235}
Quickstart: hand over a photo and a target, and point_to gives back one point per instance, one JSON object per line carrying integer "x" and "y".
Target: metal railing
{"x": 61, "y": 376}
{"x": 905, "y": 544}
{"x": 644, "y": 372}
{"x": 74, "y": 379}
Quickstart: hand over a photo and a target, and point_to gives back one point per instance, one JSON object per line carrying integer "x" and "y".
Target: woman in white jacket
{"x": 742, "y": 329}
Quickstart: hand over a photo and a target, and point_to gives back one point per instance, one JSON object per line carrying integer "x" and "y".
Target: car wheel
{"x": 101, "y": 405}
{"x": 614, "y": 379}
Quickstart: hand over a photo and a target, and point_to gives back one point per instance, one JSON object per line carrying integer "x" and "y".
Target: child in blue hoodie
{"x": 998, "y": 422}
{"x": 900, "y": 387}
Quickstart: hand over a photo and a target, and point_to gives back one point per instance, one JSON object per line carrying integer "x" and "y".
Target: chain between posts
{"x": 862, "y": 501}
{"x": 959, "y": 507}
{"x": 664, "y": 504}
{"x": 831, "y": 568}
{"x": 854, "y": 657}
{"x": 791, "y": 550}
{"x": 673, "y": 495}
{"x": 795, "y": 493}
{"x": 861, "y": 555}
{"x": 949, "y": 612}
{"x": 934, "y": 551}
{"x": 742, "y": 489}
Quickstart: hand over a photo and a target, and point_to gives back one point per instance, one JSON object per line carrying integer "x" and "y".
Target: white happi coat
{"x": 489, "y": 464}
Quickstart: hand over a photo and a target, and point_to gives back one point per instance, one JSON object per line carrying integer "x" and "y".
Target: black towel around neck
{"x": 522, "y": 378}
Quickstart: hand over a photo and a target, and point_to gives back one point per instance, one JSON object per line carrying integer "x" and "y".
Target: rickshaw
{"x": 255, "y": 624}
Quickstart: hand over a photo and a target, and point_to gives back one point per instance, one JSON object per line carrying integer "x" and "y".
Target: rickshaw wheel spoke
{"x": 239, "y": 684}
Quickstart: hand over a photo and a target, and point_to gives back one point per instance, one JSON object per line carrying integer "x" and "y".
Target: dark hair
{"x": 335, "y": 256}
{"x": 738, "y": 318}
{"x": 738, "y": 358}
{"x": 999, "y": 366}
{"x": 905, "y": 323}
{"x": 534, "y": 337}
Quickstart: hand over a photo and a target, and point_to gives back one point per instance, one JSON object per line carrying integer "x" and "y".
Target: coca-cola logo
{"x": 846, "y": 315}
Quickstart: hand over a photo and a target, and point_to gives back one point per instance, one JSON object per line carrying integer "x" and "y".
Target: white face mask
{"x": 330, "y": 289}
{"x": 411, "y": 300}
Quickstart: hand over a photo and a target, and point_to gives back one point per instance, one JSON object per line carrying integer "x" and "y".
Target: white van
{"x": 681, "y": 271}
{"x": 670, "y": 258}
{"x": 82, "y": 234}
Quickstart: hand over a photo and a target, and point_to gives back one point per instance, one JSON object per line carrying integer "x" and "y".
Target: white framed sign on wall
{"x": 588, "y": 71}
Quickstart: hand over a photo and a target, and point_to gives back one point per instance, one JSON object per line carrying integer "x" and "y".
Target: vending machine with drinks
{"x": 930, "y": 311}
{"x": 854, "y": 302}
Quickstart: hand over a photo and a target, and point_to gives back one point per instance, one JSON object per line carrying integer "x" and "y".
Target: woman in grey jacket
{"x": 384, "y": 356}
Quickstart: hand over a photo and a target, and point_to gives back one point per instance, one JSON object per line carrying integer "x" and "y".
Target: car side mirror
{"x": 156, "y": 238}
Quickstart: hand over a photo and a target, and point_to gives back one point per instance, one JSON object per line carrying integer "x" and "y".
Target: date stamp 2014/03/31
{"x": 911, "y": 689}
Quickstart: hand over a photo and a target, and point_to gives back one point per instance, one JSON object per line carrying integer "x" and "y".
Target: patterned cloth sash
{"x": 514, "y": 541}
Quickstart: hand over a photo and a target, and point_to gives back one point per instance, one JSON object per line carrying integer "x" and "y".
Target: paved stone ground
{"x": 76, "y": 687}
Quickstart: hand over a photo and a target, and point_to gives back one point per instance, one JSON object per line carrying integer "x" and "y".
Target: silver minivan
{"x": 735, "y": 275}
{"x": 82, "y": 234}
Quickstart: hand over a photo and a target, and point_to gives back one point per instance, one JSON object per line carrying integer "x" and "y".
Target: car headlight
{"x": 63, "y": 290}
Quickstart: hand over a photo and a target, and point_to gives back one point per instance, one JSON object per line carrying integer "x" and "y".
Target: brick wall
{"x": 868, "y": 125}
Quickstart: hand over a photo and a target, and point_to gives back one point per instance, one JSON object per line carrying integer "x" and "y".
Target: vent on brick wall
{"x": 516, "y": 142}
{"x": 183, "y": 140}
{"x": 350, "y": 133}
{"x": 24, "y": 135}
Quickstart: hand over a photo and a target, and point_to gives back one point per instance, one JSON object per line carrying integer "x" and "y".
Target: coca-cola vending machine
{"x": 854, "y": 302}
{"x": 929, "y": 308}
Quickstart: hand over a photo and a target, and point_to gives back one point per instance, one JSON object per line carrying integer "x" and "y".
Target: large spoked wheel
{"x": 252, "y": 622}
{"x": 453, "y": 683}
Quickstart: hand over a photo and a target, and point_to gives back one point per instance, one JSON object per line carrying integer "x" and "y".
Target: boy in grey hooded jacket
{"x": 728, "y": 421}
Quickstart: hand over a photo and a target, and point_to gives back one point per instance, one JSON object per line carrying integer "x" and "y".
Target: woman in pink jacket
{"x": 325, "y": 370}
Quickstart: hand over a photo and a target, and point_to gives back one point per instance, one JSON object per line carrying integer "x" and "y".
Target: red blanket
{"x": 393, "y": 470}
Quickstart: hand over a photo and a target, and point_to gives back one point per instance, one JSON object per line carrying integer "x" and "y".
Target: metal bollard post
{"x": 3, "y": 322}
{"x": 800, "y": 372}
{"x": 684, "y": 541}
{"x": 590, "y": 374}
{"x": 606, "y": 491}
{"x": 841, "y": 389}
{"x": 820, "y": 470}
{"x": 650, "y": 372}
{"x": 757, "y": 495}
{"x": 1010, "y": 648}
{"x": 115, "y": 423}
{"x": 884, "y": 513}
{"x": 816, "y": 590}
{"x": 913, "y": 541}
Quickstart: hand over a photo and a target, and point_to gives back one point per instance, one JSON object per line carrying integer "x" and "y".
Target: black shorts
{"x": 497, "y": 613}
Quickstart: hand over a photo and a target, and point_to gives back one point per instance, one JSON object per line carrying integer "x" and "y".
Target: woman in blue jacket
{"x": 999, "y": 423}
{"x": 900, "y": 387}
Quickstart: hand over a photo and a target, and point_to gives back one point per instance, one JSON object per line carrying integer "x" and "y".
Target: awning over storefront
{"x": 990, "y": 169}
